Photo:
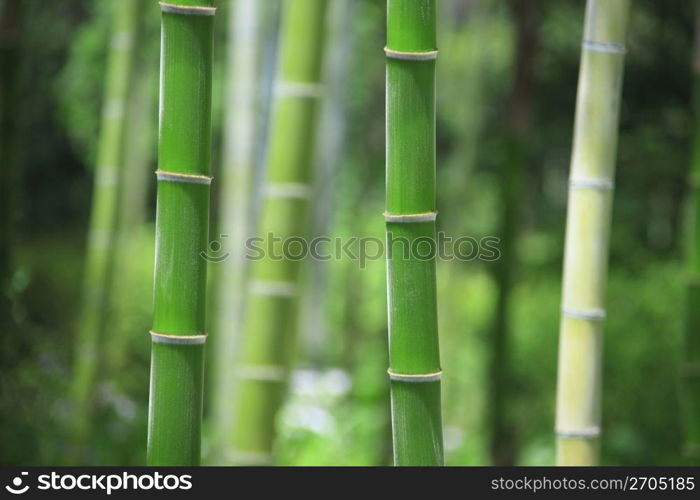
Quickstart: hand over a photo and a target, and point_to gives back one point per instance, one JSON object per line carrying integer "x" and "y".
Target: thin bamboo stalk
{"x": 691, "y": 367}
{"x": 10, "y": 30}
{"x": 135, "y": 180}
{"x": 103, "y": 217}
{"x": 410, "y": 214}
{"x": 240, "y": 150}
{"x": 503, "y": 439}
{"x": 270, "y": 321}
{"x": 588, "y": 232}
{"x": 182, "y": 232}
{"x": 329, "y": 161}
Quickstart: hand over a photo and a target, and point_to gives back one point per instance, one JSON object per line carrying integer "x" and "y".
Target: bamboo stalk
{"x": 410, "y": 214}
{"x": 270, "y": 320}
{"x": 588, "y": 232}
{"x": 236, "y": 199}
{"x": 691, "y": 368}
{"x": 135, "y": 180}
{"x": 503, "y": 439}
{"x": 182, "y": 232}
{"x": 103, "y": 217}
{"x": 11, "y": 19}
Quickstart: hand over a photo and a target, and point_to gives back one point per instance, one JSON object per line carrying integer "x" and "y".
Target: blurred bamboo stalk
{"x": 10, "y": 37}
{"x": 524, "y": 13}
{"x": 182, "y": 233}
{"x": 99, "y": 263}
{"x": 269, "y": 335}
{"x": 135, "y": 179}
{"x": 239, "y": 159}
{"x": 410, "y": 215}
{"x": 328, "y": 162}
{"x": 591, "y": 186}
{"x": 690, "y": 370}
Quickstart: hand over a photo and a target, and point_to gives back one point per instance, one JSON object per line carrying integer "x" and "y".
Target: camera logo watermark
{"x": 361, "y": 250}
{"x": 16, "y": 487}
{"x": 107, "y": 483}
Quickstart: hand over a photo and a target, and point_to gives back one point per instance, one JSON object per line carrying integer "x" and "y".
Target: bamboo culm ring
{"x": 182, "y": 10}
{"x": 164, "y": 338}
{"x": 414, "y": 378}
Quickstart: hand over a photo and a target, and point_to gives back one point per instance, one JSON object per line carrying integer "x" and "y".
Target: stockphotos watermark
{"x": 100, "y": 483}
{"x": 360, "y": 250}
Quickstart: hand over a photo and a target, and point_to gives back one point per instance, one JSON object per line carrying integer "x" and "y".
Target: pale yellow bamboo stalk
{"x": 587, "y": 232}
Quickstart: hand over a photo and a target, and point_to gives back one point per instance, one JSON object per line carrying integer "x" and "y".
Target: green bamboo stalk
{"x": 182, "y": 232}
{"x": 103, "y": 217}
{"x": 503, "y": 439}
{"x": 588, "y": 232}
{"x": 270, "y": 321}
{"x": 691, "y": 367}
{"x": 236, "y": 200}
{"x": 410, "y": 214}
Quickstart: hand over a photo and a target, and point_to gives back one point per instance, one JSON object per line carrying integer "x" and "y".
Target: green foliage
{"x": 80, "y": 85}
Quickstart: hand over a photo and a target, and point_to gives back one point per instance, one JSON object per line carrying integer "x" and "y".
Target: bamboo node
{"x": 165, "y": 176}
{"x": 414, "y": 378}
{"x": 584, "y": 314}
{"x": 267, "y": 373}
{"x": 295, "y": 190}
{"x": 273, "y": 288}
{"x": 183, "y": 10}
{"x": 302, "y": 90}
{"x": 602, "y": 184}
{"x": 164, "y": 338}
{"x": 411, "y": 56}
{"x": 607, "y": 47}
{"x": 590, "y": 433}
{"x": 408, "y": 218}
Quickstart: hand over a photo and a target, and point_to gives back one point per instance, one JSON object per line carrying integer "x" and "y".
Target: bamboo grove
{"x": 201, "y": 140}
